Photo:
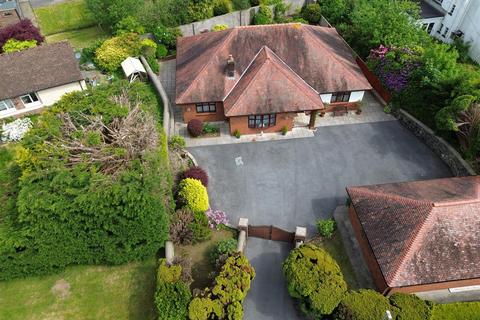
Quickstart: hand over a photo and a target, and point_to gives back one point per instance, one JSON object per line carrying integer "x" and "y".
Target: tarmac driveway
{"x": 291, "y": 183}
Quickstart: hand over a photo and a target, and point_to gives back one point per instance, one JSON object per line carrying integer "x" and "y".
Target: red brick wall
{"x": 8, "y": 17}
{"x": 241, "y": 124}
{"x": 190, "y": 112}
{"x": 374, "y": 81}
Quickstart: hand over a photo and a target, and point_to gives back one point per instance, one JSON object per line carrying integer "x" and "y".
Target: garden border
{"x": 442, "y": 148}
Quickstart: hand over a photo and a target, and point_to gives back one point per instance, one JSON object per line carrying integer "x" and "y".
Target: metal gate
{"x": 271, "y": 233}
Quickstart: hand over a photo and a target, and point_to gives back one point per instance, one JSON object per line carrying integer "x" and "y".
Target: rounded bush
{"x": 197, "y": 173}
{"x": 364, "y": 304}
{"x": 411, "y": 307}
{"x": 263, "y": 16}
{"x": 312, "y": 13}
{"x": 193, "y": 195}
{"x": 221, "y": 7}
{"x": 162, "y": 51}
{"x": 314, "y": 278}
{"x": 195, "y": 127}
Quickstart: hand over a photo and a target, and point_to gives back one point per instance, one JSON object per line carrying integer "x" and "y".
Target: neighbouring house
{"x": 37, "y": 78}
{"x": 259, "y": 78}
{"x": 450, "y": 19}
{"x": 10, "y": 12}
{"x": 420, "y": 236}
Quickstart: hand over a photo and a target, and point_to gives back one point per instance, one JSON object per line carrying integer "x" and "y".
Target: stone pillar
{"x": 313, "y": 119}
{"x": 243, "y": 234}
{"x": 300, "y": 236}
{"x": 243, "y": 225}
{"x": 169, "y": 252}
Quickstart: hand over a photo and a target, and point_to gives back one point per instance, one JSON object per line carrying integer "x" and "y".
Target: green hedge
{"x": 456, "y": 311}
{"x": 56, "y": 212}
{"x": 315, "y": 279}
{"x": 411, "y": 307}
{"x": 364, "y": 305}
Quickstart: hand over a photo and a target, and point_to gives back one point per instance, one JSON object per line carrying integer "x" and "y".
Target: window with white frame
{"x": 6, "y": 105}
{"x": 29, "y": 98}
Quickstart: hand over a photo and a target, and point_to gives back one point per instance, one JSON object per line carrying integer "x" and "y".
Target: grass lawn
{"x": 83, "y": 292}
{"x": 198, "y": 254}
{"x": 81, "y": 38}
{"x": 335, "y": 247}
{"x": 457, "y": 311}
{"x": 65, "y": 16}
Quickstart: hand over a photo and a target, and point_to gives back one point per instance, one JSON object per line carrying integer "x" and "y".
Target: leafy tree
{"x": 312, "y": 13}
{"x": 200, "y": 9}
{"x": 314, "y": 278}
{"x": 21, "y": 31}
{"x": 168, "y": 13}
{"x": 334, "y": 10}
{"x": 129, "y": 25}
{"x": 241, "y": 4}
{"x": 110, "y": 12}
{"x": 263, "y": 16}
{"x": 13, "y": 45}
{"x": 446, "y": 118}
{"x": 222, "y": 7}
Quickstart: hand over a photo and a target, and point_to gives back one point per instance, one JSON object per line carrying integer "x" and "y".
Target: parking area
{"x": 291, "y": 183}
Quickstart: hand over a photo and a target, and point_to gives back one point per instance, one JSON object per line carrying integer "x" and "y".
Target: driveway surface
{"x": 291, "y": 183}
{"x": 268, "y": 297}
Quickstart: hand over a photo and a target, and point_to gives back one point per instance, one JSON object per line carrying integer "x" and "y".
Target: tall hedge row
{"x": 56, "y": 212}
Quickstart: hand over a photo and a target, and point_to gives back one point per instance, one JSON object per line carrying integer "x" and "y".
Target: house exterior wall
{"x": 8, "y": 17}
{"x": 355, "y": 96}
{"x": 52, "y": 95}
{"x": 241, "y": 124}
{"x": 377, "y": 275}
{"x": 470, "y": 26}
{"x": 190, "y": 112}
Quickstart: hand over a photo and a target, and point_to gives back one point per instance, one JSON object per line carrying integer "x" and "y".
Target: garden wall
{"x": 445, "y": 151}
{"x": 233, "y": 19}
{"x": 373, "y": 80}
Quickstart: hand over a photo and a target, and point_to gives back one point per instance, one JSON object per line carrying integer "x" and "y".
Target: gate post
{"x": 300, "y": 236}
{"x": 243, "y": 234}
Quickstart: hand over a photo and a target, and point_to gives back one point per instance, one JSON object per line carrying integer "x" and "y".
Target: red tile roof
{"x": 422, "y": 232}
{"x": 318, "y": 55}
{"x": 258, "y": 89}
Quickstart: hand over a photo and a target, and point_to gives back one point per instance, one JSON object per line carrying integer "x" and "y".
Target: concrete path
{"x": 292, "y": 183}
{"x": 268, "y": 298}
{"x": 167, "y": 78}
{"x": 45, "y": 3}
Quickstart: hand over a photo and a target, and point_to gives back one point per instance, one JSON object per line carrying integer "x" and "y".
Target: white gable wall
{"x": 52, "y": 95}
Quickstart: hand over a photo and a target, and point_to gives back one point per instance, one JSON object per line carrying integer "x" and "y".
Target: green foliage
{"x": 129, "y": 25}
{"x": 199, "y": 227}
{"x": 237, "y": 134}
{"x": 284, "y": 130}
{"x": 440, "y": 64}
{"x": 13, "y": 45}
{"x": 241, "y": 4}
{"x": 410, "y": 307}
{"x": 200, "y": 9}
{"x": 334, "y": 10}
{"x": 219, "y": 27}
{"x": 314, "y": 278}
{"x": 169, "y": 13}
{"x": 112, "y": 52}
{"x": 463, "y": 49}
{"x": 263, "y": 16}
{"x": 172, "y": 295}
{"x": 161, "y": 51}
{"x": 224, "y": 299}
{"x": 110, "y": 12}
{"x": 194, "y": 195}
{"x": 364, "y": 305}
{"x": 326, "y": 227}
{"x": 148, "y": 47}
{"x": 221, "y": 7}
{"x": 452, "y": 311}
{"x": 176, "y": 142}
{"x": 223, "y": 248}
{"x": 312, "y": 13}
{"x": 167, "y": 36}
{"x": 446, "y": 118}
{"x": 210, "y": 128}
{"x": 61, "y": 212}
{"x": 88, "y": 53}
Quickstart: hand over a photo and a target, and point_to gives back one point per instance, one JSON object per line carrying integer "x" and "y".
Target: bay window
{"x": 262, "y": 120}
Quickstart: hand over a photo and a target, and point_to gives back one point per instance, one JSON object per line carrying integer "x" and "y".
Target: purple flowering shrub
{"x": 394, "y": 66}
{"x": 21, "y": 31}
{"x": 216, "y": 218}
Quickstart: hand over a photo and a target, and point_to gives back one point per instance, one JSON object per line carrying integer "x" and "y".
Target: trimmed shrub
{"x": 263, "y": 16}
{"x": 195, "y": 127}
{"x": 326, "y": 227}
{"x": 200, "y": 228}
{"x": 219, "y": 27}
{"x": 172, "y": 295}
{"x": 364, "y": 305}
{"x": 314, "y": 278}
{"x": 193, "y": 195}
{"x": 312, "y": 13}
{"x": 13, "y": 45}
{"x": 224, "y": 300}
{"x": 148, "y": 47}
{"x": 410, "y": 307}
{"x": 180, "y": 227}
{"x": 221, "y": 7}
{"x": 456, "y": 311}
{"x": 223, "y": 248}
{"x": 198, "y": 173}
{"x": 112, "y": 52}
{"x": 21, "y": 31}
{"x": 161, "y": 51}
{"x": 241, "y": 4}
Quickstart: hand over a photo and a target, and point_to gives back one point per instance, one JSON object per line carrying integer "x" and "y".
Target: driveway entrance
{"x": 271, "y": 233}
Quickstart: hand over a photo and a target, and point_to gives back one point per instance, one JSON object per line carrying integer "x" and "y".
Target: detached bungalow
{"x": 420, "y": 236}
{"x": 37, "y": 78}
{"x": 258, "y": 78}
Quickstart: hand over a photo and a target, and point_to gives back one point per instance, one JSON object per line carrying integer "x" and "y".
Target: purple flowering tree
{"x": 216, "y": 218}
{"x": 394, "y": 66}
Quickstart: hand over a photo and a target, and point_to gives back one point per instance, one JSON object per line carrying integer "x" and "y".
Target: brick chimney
{"x": 230, "y": 66}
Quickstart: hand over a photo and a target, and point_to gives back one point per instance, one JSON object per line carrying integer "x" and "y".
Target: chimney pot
{"x": 230, "y": 66}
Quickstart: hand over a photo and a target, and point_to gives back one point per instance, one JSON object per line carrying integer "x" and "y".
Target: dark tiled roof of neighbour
{"x": 258, "y": 89}
{"x": 38, "y": 68}
{"x": 427, "y": 11}
{"x": 316, "y": 54}
{"x": 422, "y": 232}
